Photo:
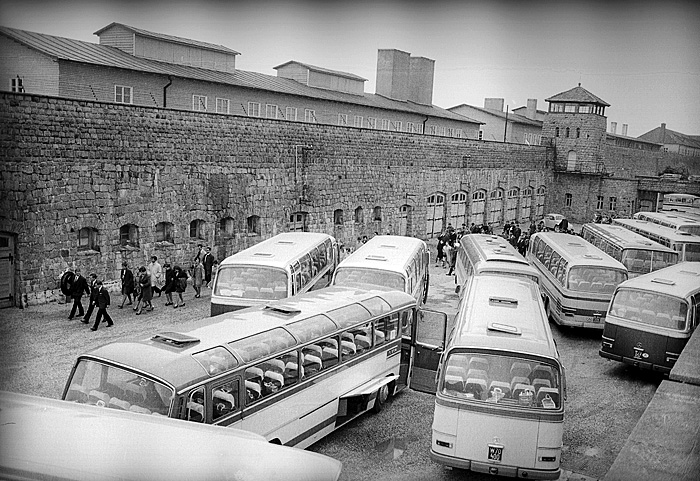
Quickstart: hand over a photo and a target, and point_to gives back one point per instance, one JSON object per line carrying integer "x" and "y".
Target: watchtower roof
{"x": 577, "y": 94}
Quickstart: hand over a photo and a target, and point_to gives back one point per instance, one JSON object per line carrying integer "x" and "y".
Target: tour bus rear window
{"x": 511, "y": 274}
{"x": 692, "y": 252}
{"x": 650, "y": 308}
{"x": 595, "y": 279}
{"x": 108, "y": 386}
{"x": 262, "y": 344}
{"x": 361, "y": 277}
{"x": 251, "y": 282}
{"x": 503, "y": 380}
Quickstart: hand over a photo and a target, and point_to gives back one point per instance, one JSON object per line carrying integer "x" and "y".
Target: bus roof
{"x": 675, "y": 218}
{"x": 626, "y": 238}
{"x": 386, "y": 252}
{"x": 277, "y": 251}
{"x": 669, "y": 233}
{"x": 51, "y": 439}
{"x": 491, "y": 248}
{"x": 679, "y": 280}
{"x": 173, "y": 362}
{"x": 578, "y": 251}
{"x": 503, "y": 313}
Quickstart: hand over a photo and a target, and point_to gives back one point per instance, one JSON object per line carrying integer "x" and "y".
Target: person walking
{"x": 127, "y": 278}
{"x": 102, "y": 304}
{"x": 146, "y": 291}
{"x": 453, "y": 258}
{"x": 448, "y": 254}
{"x": 180, "y": 277}
{"x": 197, "y": 277}
{"x": 169, "y": 284}
{"x": 208, "y": 263}
{"x": 80, "y": 285}
{"x": 93, "y": 298}
{"x": 157, "y": 277}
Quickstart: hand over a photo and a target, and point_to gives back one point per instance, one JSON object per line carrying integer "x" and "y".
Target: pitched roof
{"x": 662, "y": 135}
{"x": 577, "y": 94}
{"x": 79, "y": 51}
{"x": 170, "y": 38}
{"x": 512, "y": 117}
{"x": 323, "y": 70}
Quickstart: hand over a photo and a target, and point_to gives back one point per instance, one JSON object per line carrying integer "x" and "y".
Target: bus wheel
{"x": 382, "y": 396}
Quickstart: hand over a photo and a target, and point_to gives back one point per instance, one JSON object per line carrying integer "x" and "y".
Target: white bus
{"x": 484, "y": 254}
{"x": 681, "y": 203}
{"x": 279, "y": 267}
{"x": 687, "y": 245}
{"x": 675, "y": 220}
{"x": 52, "y": 439}
{"x": 639, "y": 254}
{"x": 292, "y": 371}
{"x": 394, "y": 262}
{"x": 652, "y": 317}
{"x": 499, "y": 407}
{"x": 577, "y": 278}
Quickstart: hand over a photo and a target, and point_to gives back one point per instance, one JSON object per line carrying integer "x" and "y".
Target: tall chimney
{"x": 531, "y": 110}
{"x": 624, "y": 130}
{"x": 613, "y": 127}
{"x": 663, "y": 134}
{"x": 494, "y": 104}
{"x": 420, "y": 80}
{"x": 393, "y": 68}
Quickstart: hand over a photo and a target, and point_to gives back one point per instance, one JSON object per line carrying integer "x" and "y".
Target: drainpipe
{"x": 165, "y": 94}
{"x": 426, "y": 119}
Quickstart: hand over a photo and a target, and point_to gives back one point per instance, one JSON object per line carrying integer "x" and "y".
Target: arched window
{"x": 359, "y": 216}
{"x": 253, "y": 225}
{"x": 458, "y": 209}
{"x": 526, "y": 204}
{"x": 129, "y": 235}
{"x": 571, "y": 160}
{"x": 578, "y": 132}
{"x": 541, "y": 191}
{"x": 477, "y": 208}
{"x": 87, "y": 239}
{"x": 567, "y": 132}
{"x": 197, "y": 229}
{"x": 435, "y": 214}
{"x": 512, "y": 204}
{"x": 298, "y": 221}
{"x": 568, "y": 199}
{"x": 164, "y": 232}
{"x": 496, "y": 207}
{"x": 556, "y": 132}
{"x": 405, "y": 220}
{"x": 227, "y": 227}
{"x": 377, "y": 214}
{"x": 338, "y": 217}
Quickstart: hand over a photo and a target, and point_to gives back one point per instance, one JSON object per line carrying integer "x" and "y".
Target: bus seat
{"x": 116, "y": 403}
{"x": 330, "y": 342}
{"x": 520, "y": 369}
{"x": 98, "y": 397}
{"x": 538, "y": 383}
{"x": 518, "y": 380}
{"x": 457, "y": 371}
{"x": 251, "y": 292}
{"x": 267, "y": 292}
{"x": 77, "y": 393}
{"x": 253, "y": 391}
{"x": 312, "y": 364}
{"x": 521, "y": 388}
{"x": 647, "y": 266}
{"x": 553, "y": 393}
{"x": 362, "y": 342}
{"x": 478, "y": 363}
{"x": 330, "y": 357}
{"x": 663, "y": 319}
{"x": 378, "y": 337}
{"x": 609, "y": 287}
{"x": 584, "y": 286}
{"x": 597, "y": 286}
{"x": 502, "y": 385}
{"x": 139, "y": 409}
{"x": 454, "y": 383}
{"x": 648, "y": 316}
{"x": 313, "y": 349}
{"x": 272, "y": 382}
{"x": 542, "y": 372}
{"x": 276, "y": 365}
{"x": 475, "y": 386}
{"x": 348, "y": 348}
{"x": 574, "y": 284}
{"x": 291, "y": 373}
{"x": 224, "y": 403}
{"x": 638, "y": 265}
{"x": 195, "y": 412}
{"x": 678, "y": 322}
{"x": 347, "y": 336}
{"x": 280, "y": 292}
{"x": 254, "y": 374}
{"x": 477, "y": 373}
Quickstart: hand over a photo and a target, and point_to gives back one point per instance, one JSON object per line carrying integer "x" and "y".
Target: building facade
{"x": 500, "y": 126}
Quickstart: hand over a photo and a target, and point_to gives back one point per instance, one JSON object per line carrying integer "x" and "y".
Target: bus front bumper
{"x": 494, "y": 469}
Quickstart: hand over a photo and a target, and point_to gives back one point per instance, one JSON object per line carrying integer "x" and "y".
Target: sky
{"x": 640, "y": 56}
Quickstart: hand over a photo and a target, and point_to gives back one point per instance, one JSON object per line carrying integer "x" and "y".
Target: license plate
{"x": 495, "y": 453}
{"x": 595, "y": 319}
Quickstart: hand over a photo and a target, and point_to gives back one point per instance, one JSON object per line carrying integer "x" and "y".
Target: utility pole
{"x": 505, "y": 129}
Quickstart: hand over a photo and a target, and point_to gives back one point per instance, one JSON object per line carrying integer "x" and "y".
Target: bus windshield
{"x": 595, "y": 279}
{"x": 109, "y": 386}
{"x": 503, "y": 379}
{"x": 251, "y": 282}
{"x": 692, "y": 252}
{"x": 650, "y": 308}
{"x": 361, "y": 277}
{"x": 535, "y": 279}
{"x": 642, "y": 261}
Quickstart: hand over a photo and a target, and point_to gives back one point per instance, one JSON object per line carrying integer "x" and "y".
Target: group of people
{"x": 448, "y": 242}
{"x": 141, "y": 287}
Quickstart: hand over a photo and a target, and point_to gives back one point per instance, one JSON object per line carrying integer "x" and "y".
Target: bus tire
{"x": 382, "y": 396}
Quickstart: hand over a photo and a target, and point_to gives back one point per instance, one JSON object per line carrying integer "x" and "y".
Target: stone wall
{"x": 67, "y": 165}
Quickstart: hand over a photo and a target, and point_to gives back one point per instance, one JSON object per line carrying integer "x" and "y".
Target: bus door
{"x": 425, "y": 349}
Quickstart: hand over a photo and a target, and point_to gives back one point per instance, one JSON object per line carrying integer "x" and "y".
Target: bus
{"x": 281, "y": 266}
{"x": 639, "y": 254}
{"x": 651, "y": 317}
{"x": 484, "y": 254}
{"x": 291, "y": 371}
{"x": 499, "y": 406}
{"x": 681, "y": 202}
{"x": 577, "y": 278}
{"x": 52, "y": 439}
{"x": 675, "y": 220}
{"x": 394, "y": 262}
{"x": 687, "y": 245}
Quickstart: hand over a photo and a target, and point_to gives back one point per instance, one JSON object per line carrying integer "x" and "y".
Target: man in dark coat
{"x": 93, "y": 298}
{"x": 208, "y": 263}
{"x": 127, "y": 278}
{"x": 102, "y": 304}
{"x": 80, "y": 285}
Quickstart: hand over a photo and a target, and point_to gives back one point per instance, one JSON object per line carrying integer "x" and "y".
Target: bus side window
{"x": 696, "y": 310}
{"x": 195, "y": 406}
{"x": 406, "y": 322}
{"x": 224, "y": 399}
{"x": 363, "y": 338}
